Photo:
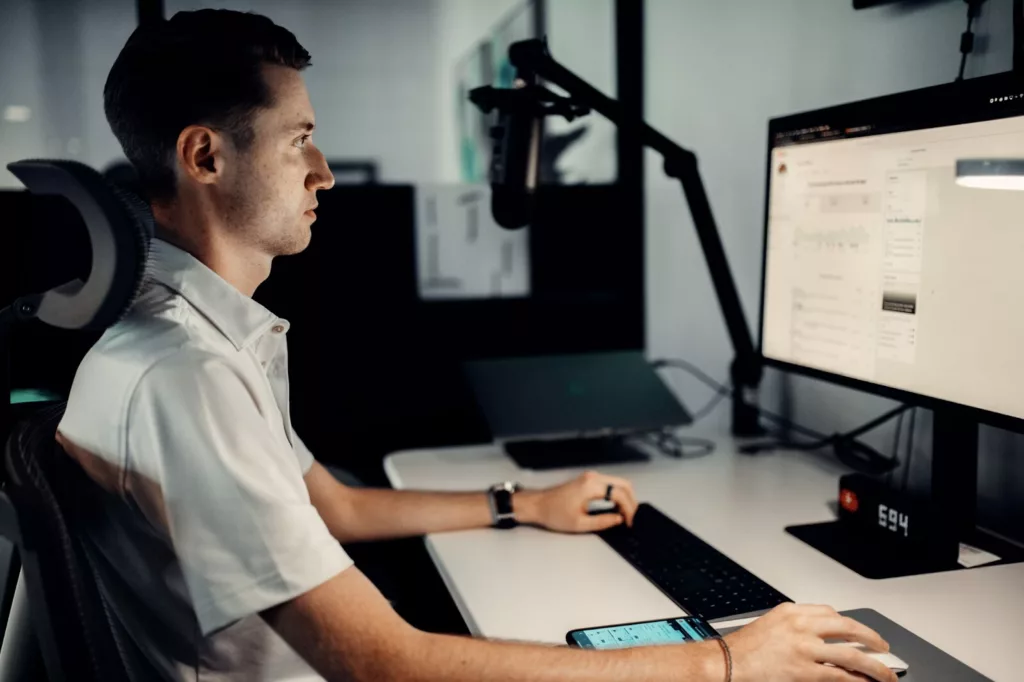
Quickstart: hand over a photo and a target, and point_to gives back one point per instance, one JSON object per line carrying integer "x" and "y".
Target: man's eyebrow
{"x": 305, "y": 126}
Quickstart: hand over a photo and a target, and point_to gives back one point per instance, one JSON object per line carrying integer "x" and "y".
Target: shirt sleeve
{"x": 303, "y": 454}
{"x": 231, "y": 489}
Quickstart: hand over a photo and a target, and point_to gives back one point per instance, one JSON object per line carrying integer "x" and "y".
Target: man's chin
{"x": 296, "y": 244}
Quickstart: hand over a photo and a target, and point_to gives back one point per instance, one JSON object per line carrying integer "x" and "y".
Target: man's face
{"x": 270, "y": 187}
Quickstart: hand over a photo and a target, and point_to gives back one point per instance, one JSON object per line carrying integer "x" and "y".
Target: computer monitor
{"x": 881, "y": 273}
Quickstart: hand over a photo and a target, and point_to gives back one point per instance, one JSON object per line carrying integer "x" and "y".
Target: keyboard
{"x": 572, "y": 452}
{"x": 690, "y": 572}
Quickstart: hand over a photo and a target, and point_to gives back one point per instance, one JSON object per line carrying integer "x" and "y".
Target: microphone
{"x": 516, "y": 157}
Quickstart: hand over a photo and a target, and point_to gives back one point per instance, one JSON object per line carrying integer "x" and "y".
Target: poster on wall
{"x": 461, "y": 253}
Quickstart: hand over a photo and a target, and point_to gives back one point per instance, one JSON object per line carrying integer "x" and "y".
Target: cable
{"x": 910, "y": 451}
{"x": 669, "y": 443}
{"x": 721, "y": 390}
{"x": 694, "y": 371}
{"x": 825, "y": 441}
{"x": 967, "y": 38}
{"x": 709, "y": 407}
{"x": 791, "y": 425}
{"x": 847, "y": 448}
{"x": 895, "y": 448}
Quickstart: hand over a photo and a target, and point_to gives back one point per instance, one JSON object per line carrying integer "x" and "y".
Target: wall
{"x": 54, "y": 59}
{"x": 716, "y": 72}
{"x": 374, "y": 79}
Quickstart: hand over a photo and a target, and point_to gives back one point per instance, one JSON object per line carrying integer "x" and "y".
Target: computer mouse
{"x": 888, "y": 659}
{"x": 595, "y": 507}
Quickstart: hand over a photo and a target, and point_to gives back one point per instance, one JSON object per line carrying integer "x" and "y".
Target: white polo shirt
{"x": 180, "y": 414}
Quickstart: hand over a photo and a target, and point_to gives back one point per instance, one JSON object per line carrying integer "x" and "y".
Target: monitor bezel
{"x": 978, "y": 99}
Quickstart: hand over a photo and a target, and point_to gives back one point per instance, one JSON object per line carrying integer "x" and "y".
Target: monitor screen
{"x": 879, "y": 268}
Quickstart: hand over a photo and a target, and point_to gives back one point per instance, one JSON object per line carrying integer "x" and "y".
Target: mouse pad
{"x": 926, "y": 662}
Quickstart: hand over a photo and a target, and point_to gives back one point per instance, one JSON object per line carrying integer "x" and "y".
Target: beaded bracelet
{"x": 728, "y": 659}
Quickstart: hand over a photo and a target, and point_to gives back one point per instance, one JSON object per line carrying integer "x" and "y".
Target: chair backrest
{"x": 74, "y": 626}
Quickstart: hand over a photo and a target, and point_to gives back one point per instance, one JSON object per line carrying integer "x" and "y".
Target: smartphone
{"x": 648, "y": 633}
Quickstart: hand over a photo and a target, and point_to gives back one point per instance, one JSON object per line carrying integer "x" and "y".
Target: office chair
{"x": 40, "y": 505}
{"x": 41, "y": 511}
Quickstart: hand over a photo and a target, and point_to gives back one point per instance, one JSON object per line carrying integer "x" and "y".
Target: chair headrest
{"x": 120, "y": 227}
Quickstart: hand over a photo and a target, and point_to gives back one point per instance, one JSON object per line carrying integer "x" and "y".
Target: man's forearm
{"x": 459, "y": 659}
{"x": 348, "y": 632}
{"x": 376, "y": 514}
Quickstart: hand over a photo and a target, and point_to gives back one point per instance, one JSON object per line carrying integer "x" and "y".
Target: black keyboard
{"x": 692, "y": 573}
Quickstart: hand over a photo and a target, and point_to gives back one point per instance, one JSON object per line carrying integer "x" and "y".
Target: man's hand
{"x": 564, "y": 508}
{"x": 788, "y": 645}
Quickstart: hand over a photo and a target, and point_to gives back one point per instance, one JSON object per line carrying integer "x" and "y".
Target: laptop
{"x": 572, "y": 397}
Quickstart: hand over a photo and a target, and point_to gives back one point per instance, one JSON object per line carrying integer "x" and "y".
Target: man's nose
{"x": 321, "y": 177}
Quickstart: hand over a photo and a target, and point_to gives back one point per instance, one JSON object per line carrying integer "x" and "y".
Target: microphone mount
{"x": 531, "y": 99}
{"x": 533, "y": 60}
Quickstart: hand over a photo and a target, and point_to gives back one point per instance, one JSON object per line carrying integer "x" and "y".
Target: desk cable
{"x": 845, "y": 446}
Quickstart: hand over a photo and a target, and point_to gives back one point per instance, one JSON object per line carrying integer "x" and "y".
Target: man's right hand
{"x": 788, "y": 645}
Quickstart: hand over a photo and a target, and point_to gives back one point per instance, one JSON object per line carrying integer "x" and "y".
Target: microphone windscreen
{"x": 512, "y": 208}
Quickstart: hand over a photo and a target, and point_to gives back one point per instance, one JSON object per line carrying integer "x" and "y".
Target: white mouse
{"x": 601, "y": 507}
{"x": 889, "y": 660}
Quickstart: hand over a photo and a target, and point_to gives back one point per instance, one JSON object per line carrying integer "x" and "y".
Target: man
{"x": 221, "y": 557}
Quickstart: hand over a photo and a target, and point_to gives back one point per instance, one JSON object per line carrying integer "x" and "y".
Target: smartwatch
{"x": 499, "y": 497}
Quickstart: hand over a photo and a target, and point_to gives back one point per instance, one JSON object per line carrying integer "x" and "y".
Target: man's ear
{"x": 200, "y": 153}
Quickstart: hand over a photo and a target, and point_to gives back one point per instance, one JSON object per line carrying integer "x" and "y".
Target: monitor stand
{"x": 954, "y": 496}
{"x": 573, "y": 453}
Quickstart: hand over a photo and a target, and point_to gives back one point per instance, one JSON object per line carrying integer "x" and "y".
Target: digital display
{"x": 881, "y": 268}
{"x": 677, "y": 631}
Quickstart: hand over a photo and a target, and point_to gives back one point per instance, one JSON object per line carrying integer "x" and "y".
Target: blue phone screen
{"x": 675, "y": 631}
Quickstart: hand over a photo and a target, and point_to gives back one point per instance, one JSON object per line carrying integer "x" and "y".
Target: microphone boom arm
{"x": 532, "y": 58}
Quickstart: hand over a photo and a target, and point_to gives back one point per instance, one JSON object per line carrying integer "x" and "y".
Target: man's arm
{"x": 347, "y": 631}
{"x": 362, "y": 514}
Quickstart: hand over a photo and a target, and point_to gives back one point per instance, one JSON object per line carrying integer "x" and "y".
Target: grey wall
{"x": 716, "y": 72}
{"x": 374, "y": 81}
{"x": 54, "y": 59}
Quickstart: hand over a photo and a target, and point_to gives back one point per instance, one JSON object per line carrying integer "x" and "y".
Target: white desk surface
{"x": 527, "y": 584}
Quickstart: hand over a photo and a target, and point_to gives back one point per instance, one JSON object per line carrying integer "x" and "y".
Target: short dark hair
{"x": 201, "y": 67}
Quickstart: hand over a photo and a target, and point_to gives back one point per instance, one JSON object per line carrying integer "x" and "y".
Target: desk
{"x": 528, "y": 584}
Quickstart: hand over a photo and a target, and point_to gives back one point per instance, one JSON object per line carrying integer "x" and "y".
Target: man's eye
{"x": 301, "y": 142}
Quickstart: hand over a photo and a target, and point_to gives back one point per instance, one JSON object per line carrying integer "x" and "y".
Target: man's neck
{"x": 239, "y": 265}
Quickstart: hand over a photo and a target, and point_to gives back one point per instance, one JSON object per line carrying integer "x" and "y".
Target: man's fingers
{"x": 819, "y": 610}
{"x": 840, "y": 675}
{"x": 627, "y": 488}
{"x": 855, "y": 661}
{"x": 597, "y": 486}
{"x": 593, "y": 524}
{"x": 840, "y": 627}
{"x": 626, "y": 504}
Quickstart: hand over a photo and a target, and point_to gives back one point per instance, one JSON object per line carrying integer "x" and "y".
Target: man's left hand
{"x": 564, "y": 508}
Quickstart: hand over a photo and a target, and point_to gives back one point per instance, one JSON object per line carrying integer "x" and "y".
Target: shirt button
{"x": 277, "y": 328}
{"x": 264, "y": 363}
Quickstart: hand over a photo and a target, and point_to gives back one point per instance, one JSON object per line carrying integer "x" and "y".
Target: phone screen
{"x": 676, "y": 631}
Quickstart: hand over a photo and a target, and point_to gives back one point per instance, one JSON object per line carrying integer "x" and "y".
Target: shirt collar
{"x": 237, "y": 316}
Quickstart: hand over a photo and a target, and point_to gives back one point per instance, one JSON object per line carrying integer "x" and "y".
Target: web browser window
{"x": 881, "y": 268}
